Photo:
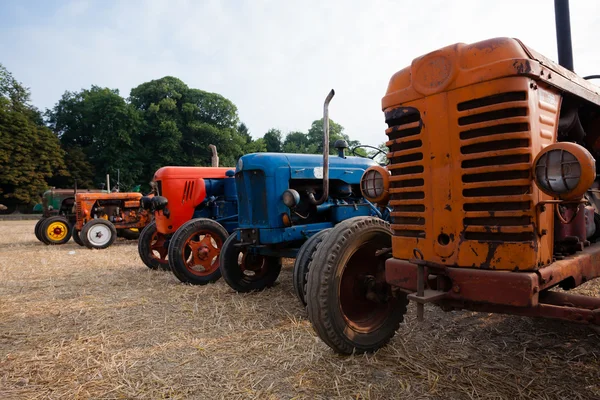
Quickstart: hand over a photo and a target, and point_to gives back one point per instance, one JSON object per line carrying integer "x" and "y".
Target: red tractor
{"x": 194, "y": 211}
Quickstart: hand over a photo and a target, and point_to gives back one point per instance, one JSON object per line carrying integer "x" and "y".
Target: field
{"x": 77, "y": 323}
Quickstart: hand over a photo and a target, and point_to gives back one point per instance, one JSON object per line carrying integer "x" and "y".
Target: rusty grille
{"x": 78, "y": 211}
{"x": 495, "y": 154}
{"x": 407, "y": 181}
{"x": 188, "y": 191}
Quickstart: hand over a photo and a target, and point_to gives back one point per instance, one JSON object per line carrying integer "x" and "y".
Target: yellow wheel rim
{"x": 134, "y": 229}
{"x": 56, "y": 231}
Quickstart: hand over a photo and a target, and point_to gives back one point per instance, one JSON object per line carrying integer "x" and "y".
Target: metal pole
{"x": 563, "y": 34}
{"x": 107, "y": 183}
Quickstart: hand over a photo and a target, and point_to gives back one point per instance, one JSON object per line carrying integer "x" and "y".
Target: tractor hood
{"x": 306, "y": 166}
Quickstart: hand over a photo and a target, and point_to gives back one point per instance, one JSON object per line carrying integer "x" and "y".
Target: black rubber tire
{"x": 37, "y": 229}
{"x": 179, "y": 251}
{"x": 356, "y": 237}
{"x": 128, "y": 234}
{"x": 65, "y": 225}
{"x": 146, "y": 241}
{"x": 301, "y": 265}
{"x": 92, "y": 244}
{"x": 235, "y": 276}
{"x": 77, "y": 237}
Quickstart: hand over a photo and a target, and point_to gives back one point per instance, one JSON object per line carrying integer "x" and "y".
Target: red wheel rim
{"x": 362, "y": 271}
{"x": 253, "y": 266}
{"x": 201, "y": 252}
{"x": 158, "y": 251}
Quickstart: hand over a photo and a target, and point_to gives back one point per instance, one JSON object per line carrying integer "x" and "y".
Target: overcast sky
{"x": 276, "y": 60}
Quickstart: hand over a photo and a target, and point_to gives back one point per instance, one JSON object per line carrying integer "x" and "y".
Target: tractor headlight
{"x": 375, "y": 184}
{"x": 564, "y": 170}
{"x": 291, "y": 198}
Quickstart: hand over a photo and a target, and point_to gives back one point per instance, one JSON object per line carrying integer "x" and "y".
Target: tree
{"x": 298, "y": 142}
{"x": 179, "y": 123}
{"x": 29, "y": 152}
{"x": 272, "y": 141}
{"x": 99, "y": 129}
{"x": 336, "y": 132}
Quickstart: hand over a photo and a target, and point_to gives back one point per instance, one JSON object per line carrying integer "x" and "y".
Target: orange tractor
{"x": 194, "y": 211}
{"x": 101, "y": 217}
{"x": 494, "y": 190}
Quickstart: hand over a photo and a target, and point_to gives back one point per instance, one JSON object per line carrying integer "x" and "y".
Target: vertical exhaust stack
{"x": 107, "y": 183}
{"x": 215, "y": 157}
{"x": 563, "y": 33}
{"x": 325, "y": 195}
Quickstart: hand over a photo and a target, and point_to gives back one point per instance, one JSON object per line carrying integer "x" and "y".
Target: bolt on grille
{"x": 495, "y": 148}
{"x": 407, "y": 180}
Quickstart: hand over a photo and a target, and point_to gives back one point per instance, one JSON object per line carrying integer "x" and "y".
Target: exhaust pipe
{"x": 215, "y": 157}
{"x": 563, "y": 34}
{"x": 325, "y": 195}
{"x": 107, "y": 183}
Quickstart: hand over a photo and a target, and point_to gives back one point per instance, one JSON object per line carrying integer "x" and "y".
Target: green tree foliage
{"x": 180, "y": 123}
{"x": 99, "y": 123}
{"x": 30, "y": 154}
{"x": 273, "y": 141}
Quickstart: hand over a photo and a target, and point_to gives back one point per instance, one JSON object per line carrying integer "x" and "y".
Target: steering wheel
{"x": 379, "y": 151}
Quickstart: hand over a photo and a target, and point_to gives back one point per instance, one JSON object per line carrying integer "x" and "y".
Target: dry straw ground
{"x": 98, "y": 324}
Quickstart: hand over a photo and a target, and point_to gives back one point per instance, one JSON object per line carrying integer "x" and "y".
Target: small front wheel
{"x": 153, "y": 248}
{"x": 55, "y": 230}
{"x": 350, "y": 305}
{"x": 301, "y": 265}
{"x": 38, "y": 229}
{"x": 98, "y": 234}
{"x": 245, "y": 271}
{"x": 77, "y": 237}
{"x": 195, "y": 250}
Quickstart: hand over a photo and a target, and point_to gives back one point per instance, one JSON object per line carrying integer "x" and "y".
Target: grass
{"x": 78, "y": 323}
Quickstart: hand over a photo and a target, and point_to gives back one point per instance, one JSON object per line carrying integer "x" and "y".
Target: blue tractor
{"x": 287, "y": 203}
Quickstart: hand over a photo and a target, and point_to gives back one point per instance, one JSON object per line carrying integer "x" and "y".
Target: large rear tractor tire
{"x": 301, "y": 265}
{"x": 98, "y": 234}
{"x": 195, "y": 251}
{"x": 38, "y": 229}
{"x": 153, "y": 248}
{"x": 55, "y": 230}
{"x": 349, "y": 303}
{"x": 246, "y": 272}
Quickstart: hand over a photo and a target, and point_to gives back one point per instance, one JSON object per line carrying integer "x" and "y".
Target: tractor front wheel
{"x": 55, "y": 230}
{"x": 77, "y": 237}
{"x": 153, "y": 248}
{"x": 38, "y": 229}
{"x": 245, "y": 271}
{"x": 195, "y": 251}
{"x": 98, "y": 234}
{"x": 350, "y": 305}
{"x": 301, "y": 265}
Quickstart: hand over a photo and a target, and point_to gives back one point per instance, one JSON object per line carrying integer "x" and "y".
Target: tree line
{"x": 96, "y": 131}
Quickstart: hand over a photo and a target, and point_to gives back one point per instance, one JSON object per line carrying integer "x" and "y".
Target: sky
{"x": 275, "y": 60}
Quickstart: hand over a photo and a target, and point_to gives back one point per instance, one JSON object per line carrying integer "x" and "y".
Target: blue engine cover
{"x": 261, "y": 179}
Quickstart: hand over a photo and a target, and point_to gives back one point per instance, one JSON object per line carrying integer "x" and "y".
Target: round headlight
{"x": 564, "y": 170}
{"x": 291, "y": 198}
{"x": 375, "y": 184}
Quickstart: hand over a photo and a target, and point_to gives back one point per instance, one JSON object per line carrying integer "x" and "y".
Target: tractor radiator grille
{"x": 407, "y": 181}
{"x": 495, "y": 157}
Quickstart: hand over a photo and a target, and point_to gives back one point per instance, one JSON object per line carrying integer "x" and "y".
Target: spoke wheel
{"x": 245, "y": 271}
{"x": 195, "y": 250}
{"x": 349, "y": 303}
{"x": 98, "y": 234}
{"x": 55, "y": 230}
{"x": 301, "y": 265}
{"x": 153, "y": 248}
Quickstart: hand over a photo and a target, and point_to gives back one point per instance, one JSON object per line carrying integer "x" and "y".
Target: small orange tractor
{"x": 494, "y": 193}
{"x": 101, "y": 217}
